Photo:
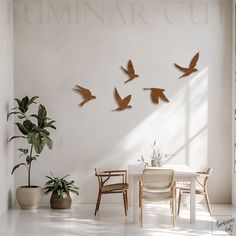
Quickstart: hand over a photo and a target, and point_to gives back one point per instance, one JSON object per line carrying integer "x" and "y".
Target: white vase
{"x": 154, "y": 162}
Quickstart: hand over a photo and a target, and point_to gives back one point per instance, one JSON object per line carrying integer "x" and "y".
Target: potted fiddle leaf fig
{"x": 60, "y": 189}
{"x": 34, "y": 131}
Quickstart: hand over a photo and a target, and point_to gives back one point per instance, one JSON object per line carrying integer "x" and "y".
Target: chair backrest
{"x": 158, "y": 178}
{"x": 202, "y": 180}
{"x": 100, "y": 182}
{"x": 208, "y": 173}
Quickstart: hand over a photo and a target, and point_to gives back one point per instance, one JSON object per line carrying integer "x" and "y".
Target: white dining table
{"x": 183, "y": 173}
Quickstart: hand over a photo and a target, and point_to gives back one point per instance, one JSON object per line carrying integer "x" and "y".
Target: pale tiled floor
{"x": 110, "y": 221}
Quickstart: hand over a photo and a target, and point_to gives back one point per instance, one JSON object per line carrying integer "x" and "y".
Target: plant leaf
{"x": 32, "y": 100}
{"x": 48, "y": 141}
{"x": 13, "y": 113}
{"x": 63, "y": 195}
{"x": 42, "y": 115}
{"x": 37, "y": 141}
{"x": 28, "y": 125}
{"x": 33, "y": 115}
{"x": 16, "y": 137}
{"x": 50, "y": 124}
{"x": 40, "y": 130}
{"x": 18, "y": 101}
{"x": 21, "y": 117}
{"x": 22, "y": 128}
{"x": 17, "y": 166}
{"x": 23, "y": 151}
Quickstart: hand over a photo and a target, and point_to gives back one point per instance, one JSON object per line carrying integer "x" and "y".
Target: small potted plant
{"x": 60, "y": 189}
{"x": 34, "y": 130}
{"x": 157, "y": 157}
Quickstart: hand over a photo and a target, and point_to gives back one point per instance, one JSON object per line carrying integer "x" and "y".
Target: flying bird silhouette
{"x": 156, "y": 94}
{"x": 191, "y": 69}
{"x": 86, "y": 94}
{"x": 123, "y": 103}
{"x": 130, "y": 71}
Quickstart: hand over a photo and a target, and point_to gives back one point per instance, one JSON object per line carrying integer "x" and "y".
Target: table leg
{"x": 192, "y": 202}
{"x": 135, "y": 194}
{"x": 130, "y": 190}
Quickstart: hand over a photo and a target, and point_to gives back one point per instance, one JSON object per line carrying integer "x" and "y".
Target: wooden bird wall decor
{"x": 122, "y": 103}
{"x": 191, "y": 69}
{"x": 130, "y": 71}
{"x": 156, "y": 94}
{"x": 86, "y": 94}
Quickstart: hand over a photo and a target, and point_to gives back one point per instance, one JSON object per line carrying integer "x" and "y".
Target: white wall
{"x": 6, "y": 101}
{"x": 61, "y": 43}
{"x": 233, "y": 107}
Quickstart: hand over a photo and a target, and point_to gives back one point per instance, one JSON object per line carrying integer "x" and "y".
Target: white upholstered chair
{"x": 157, "y": 185}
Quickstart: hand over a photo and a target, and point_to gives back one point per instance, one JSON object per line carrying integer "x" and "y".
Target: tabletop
{"x": 137, "y": 169}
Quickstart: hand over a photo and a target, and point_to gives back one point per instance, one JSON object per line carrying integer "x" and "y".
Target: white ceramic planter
{"x": 29, "y": 198}
{"x": 154, "y": 162}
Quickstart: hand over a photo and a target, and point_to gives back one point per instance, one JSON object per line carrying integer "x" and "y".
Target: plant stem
{"x": 29, "y": 170}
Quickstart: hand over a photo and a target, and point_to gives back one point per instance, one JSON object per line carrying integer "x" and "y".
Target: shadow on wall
{"x": 183, "y": 134}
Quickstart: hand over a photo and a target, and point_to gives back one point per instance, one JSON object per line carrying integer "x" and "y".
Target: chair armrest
{"x": 102, "y": 174}
{"x": 173, "y": 186}
{"x": 115, "y": 171}
{"x": 202, "y": 174}
{"x": 112, "y": 173}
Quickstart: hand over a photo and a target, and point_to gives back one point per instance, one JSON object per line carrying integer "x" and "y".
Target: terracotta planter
{"x": 29, "y": 198}
{"x": 57, "y": 202}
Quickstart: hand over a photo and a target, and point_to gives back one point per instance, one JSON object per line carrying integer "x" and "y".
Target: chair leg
{"x": 125, "y": 207}
{"x": 174, "y": 207}
{"x": 208, "y": 203}
{"x": 173, "y": 213}
{"x": 141, "y": 213}
{"x": 98, "y": 202}
{"x": 180, "y": 196}
{"x": 126, "y": 198}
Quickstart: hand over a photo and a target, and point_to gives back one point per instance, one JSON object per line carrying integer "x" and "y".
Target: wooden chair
{"x": 202, "y": 181}
{"x": 157, "y": 185}
{"x": 118, "y": 187}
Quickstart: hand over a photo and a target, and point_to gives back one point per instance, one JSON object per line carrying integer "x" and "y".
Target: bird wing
{"x": 194, "y": 61}
{"x": 131, "y": 67}
{"x": 124, "y": 70}
{"x": 85, "y": 92}
{"x": 181, "y": 68}
{"x": 117, "y": 96}
{"x": 155, "y": 95}
{"x": 163, "y": 96}
{"x": 126, "y": 100}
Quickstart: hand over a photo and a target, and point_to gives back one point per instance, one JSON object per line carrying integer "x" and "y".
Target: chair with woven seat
{"x": 202, "y": 181}
{"x": 117, "y": 187}
{"x": 157, "y": 185}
